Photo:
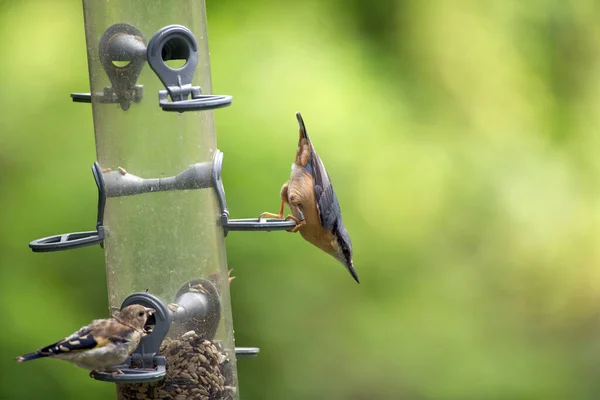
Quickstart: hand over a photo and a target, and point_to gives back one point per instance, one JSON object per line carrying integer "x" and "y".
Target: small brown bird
{"x": 102, "y": 344}
{"x": 315, "y": 208}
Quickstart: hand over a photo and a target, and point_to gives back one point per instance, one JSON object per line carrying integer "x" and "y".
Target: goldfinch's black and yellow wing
{"x": 98, "y": 334}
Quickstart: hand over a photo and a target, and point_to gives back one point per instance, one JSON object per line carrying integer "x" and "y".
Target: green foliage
{"x": 461, "y": 140}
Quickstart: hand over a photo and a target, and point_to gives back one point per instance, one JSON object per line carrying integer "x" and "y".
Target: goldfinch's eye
{"x": 141, "y": 314}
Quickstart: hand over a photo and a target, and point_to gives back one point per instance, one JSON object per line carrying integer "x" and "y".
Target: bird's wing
{"x": 327, "y": 202}
{"x": 99, "y": 333}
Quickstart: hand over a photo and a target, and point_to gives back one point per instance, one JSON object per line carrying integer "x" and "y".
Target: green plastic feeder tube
{"x": 160, "y": 241}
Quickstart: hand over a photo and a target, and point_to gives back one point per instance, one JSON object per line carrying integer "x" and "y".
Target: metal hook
{"x": 247, "y": 224}
{"x": 144, "y": 365}
{"x": 77, "y": 239}
{"x": 197, "y": 176}
{"x": 176, "y": 42}
{"x": 120, "y": 43}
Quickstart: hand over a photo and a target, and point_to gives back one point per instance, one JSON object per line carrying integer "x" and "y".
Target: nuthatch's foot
{"x": 281, "y": 209}
{"x": 120, "y": 169}
{"x": 299, "y": 223}
{"x": 270, "y": 215}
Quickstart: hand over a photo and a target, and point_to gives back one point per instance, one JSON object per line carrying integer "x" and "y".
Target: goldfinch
{"x": 102, "y": 344}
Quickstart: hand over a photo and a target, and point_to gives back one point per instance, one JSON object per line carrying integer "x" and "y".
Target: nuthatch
{"x": 103, "y": 344}
{"x": 314, "y": 205}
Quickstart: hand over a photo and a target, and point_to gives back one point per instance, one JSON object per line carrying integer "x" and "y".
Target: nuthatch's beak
{"x": 350, "y": 267}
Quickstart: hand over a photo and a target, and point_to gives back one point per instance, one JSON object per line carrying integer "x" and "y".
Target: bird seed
{"x": 197, "y": 369}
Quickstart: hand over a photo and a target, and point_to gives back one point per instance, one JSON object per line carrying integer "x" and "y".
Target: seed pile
{"x": 197, "y": 369}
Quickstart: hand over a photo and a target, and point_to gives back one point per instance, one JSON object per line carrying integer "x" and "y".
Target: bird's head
{"x": 342, "y": 250}
{"x": 137, "y": 316}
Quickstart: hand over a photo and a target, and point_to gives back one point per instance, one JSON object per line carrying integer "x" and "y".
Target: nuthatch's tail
{"x": 303, "y": 134}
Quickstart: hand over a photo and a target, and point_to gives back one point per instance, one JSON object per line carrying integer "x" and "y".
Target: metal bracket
{"x": 176, "y": 42}
{"x": 144, "y": 365}
{"x": 120, "y": 44}
{"x": 197, "y": 307}
{"x": 248, "y": 224}
{"x": 246, "y": 352}
{"x": 121, "y": 183}
{"x": 77, "y": 239}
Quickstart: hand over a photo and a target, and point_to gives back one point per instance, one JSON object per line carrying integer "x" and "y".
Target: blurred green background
{"x": 462, "y": 140}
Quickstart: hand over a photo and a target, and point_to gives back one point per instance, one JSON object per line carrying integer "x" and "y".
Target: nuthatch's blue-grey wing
{"x": 328, "y": 206}
{"x": 327, "y": 202}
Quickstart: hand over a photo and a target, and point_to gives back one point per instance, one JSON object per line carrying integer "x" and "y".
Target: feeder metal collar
{"x": 121, "y": 183}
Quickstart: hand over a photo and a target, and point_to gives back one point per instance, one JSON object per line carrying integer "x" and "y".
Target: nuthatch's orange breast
{"x": 301, "y": 197}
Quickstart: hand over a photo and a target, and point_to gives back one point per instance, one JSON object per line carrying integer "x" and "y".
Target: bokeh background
{"x": 462, "y": 140}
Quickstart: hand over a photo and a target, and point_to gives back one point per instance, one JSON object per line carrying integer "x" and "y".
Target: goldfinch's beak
{"x": 150, "y": 320}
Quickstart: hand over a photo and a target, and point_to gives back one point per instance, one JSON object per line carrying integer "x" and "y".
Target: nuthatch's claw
{"x": 270, "y": 215}
{"x": 280, "y": 215}
{"x": 299, "y": 223}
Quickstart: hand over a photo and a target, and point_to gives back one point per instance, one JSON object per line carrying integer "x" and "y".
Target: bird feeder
{"x": 162, "y": 215}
